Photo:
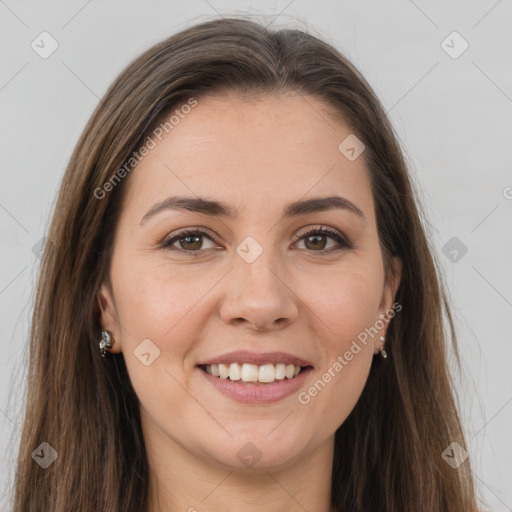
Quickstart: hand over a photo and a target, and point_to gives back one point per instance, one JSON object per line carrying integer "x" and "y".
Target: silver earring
{"x": 106, "y": 342}
{"x": 382, "y": 351}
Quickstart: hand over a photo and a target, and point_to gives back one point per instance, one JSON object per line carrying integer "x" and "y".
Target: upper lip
{"x": 244, "y": 356}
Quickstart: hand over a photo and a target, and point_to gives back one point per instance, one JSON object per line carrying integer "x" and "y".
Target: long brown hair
{"x": 388, "y": 452}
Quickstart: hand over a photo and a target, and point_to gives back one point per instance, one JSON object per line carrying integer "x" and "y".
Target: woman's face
{"x": 254, "y": 291}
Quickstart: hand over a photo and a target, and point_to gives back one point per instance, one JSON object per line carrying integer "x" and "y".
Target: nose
{"x": 259, "y": 297}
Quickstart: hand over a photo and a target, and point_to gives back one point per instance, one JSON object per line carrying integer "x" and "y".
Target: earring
{"x": 106, "y": 342}
{"x": 382, "y": 351}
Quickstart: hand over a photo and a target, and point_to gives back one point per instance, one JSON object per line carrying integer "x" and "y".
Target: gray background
{"x": 453, "y": 116}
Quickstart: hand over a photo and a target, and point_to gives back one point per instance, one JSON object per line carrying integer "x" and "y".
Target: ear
{"x": 388, "y": 296}
{"x": 108, "y": 316}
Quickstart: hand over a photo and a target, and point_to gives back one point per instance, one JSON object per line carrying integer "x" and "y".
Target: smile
{"x": 252, "y": 373}
{"x": 255, "y": 378}
{"x": 254, "y": 392}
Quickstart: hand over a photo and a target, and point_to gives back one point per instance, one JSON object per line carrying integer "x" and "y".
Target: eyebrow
{"x": 219, "y": 209}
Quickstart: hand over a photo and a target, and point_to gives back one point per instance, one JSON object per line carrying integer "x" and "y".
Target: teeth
{"x": 253, "y": 373}
{"x": 267, "y": 373}
{"x": 223, "y": 371}
{"x": 249, "y": 373}
{"x": 235, "y": 371}
{"x": 280, "y": 371}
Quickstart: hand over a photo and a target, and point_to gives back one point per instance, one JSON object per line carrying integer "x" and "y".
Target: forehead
{"x": 267, "y": 151}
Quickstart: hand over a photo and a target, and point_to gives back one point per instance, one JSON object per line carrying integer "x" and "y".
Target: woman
{"x": 236, "y": 233}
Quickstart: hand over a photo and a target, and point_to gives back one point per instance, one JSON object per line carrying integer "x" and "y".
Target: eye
{"x": 314, "y": 239}
{"x": 190, "y": 240}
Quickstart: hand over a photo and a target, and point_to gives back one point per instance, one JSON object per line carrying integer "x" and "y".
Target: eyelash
{"x": 343, "y": 242}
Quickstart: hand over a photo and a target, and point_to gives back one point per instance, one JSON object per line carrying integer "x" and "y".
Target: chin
{"x": 257, "y": 450}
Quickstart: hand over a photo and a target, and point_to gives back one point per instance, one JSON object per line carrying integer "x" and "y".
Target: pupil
{"x": 315, "y": 244}
{"x": 188, "y": 238}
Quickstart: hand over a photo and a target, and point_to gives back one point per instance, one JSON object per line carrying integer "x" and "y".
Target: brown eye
{"x": 189, "y": 241}
{"x": 316, "y": 240}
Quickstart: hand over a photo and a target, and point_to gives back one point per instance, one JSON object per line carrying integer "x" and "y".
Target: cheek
{"x": 168, "y": 306}
{"x": 345, "y": 309}
{"x": 158, "y": 304}
{"x": 346, "y": 301}
{"x": 155, "y": 300}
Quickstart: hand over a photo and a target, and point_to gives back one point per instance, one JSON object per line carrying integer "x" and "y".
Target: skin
{"x": 295, "y": 297}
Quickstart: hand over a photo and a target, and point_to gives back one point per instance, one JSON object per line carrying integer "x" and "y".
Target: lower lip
{"x": 258, "y": 393}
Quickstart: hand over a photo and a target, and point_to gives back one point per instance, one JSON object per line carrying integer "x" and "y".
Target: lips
{"x": 256, "y": 378}
{"x": 253, "y": 393}
{"x": 243, "y": 356}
